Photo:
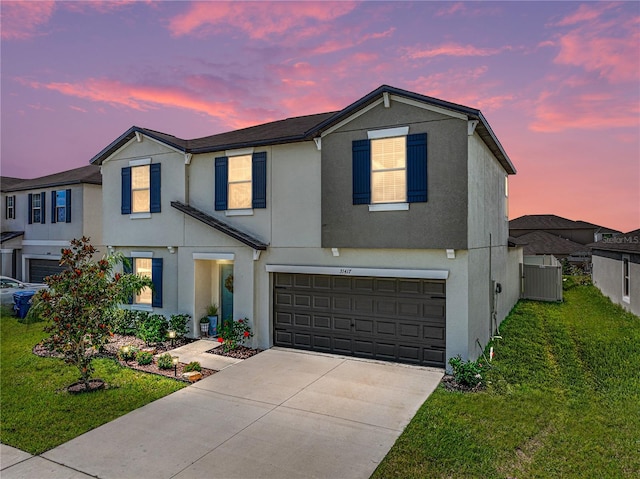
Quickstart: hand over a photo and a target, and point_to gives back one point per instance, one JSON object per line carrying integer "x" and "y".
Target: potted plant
{"x": 204, "y": 325}
{"x": 212, "y": 314}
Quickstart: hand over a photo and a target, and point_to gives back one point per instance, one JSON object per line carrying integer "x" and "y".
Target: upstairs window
{"x": 61, "y": 206}
{"x": 36, "y": 208}
{"x": 389, "y": 170}
{"x": 10, "y": 207}
{"x": 239, "y": 182}
{"x": 141, "y": 189}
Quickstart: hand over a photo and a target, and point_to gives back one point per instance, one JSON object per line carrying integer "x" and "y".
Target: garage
{"x": 391, "y": 319}
{"x": 41, "y": 268}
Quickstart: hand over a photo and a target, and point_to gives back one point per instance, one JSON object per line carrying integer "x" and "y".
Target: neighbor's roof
{"x": 302, "y": 128}
{"x": 628, "y": 242}
{"x": 541, "y": 242}
{"x": 9, "y": 235}
{"x": 85, "y": 174}
{"x": 7, "y": 182}
{"x": 549, "y": 222}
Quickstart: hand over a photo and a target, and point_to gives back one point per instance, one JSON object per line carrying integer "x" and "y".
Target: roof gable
{"x": 541, "y": 242}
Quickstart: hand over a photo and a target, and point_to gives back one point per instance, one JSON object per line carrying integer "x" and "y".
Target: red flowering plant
{"x": 80, "y": 302}
{"x": 234, "y": 333}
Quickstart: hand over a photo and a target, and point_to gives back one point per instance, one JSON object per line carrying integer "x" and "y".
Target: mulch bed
{"x": 450, "y": 384}
{"x": 241, "y": 352}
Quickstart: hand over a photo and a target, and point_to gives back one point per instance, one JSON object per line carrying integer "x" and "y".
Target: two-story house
{"x": 378, "y": 231}
{"x": 41, "y": 215}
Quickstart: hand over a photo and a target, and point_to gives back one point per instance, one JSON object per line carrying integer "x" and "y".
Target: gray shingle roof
{"x": 549, "y": 222}
{"x": 628, "y": 242}
{"x": 85, "y": 174}
{"x": 541, "y": 242}
{"x": 7, "y": 182}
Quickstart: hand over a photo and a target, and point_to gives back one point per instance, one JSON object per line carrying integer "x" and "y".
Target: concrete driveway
{"x": 279, "y": 414}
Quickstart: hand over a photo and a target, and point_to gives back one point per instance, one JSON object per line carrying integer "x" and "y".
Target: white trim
{"x": 256, "y": 254}
{"x": 388, "y": 133}
{"x": 386, "y": 99}
{"x": 6, "y": 250}
{"x": 242, "y": 212}
{"x": 139, "y": 136}
{"x": 140, "y": 162}
{"x": 25, "y": 271}
{"x": 214, "y": 256}
{"x": 318, "y": 141}
{"x": 187, "y": 158}
{"x": 335, "y": 251}
{"x": 471, "y": 127}
{"x": 45, "y": 243}
{"x": 389, "y": 207}
{"x": 128, "y": 143}
{"x": 239, "y": 152}
{"x": 140, "y": 307}
{"x": 451, "y": 253}
{"x": 352, "y": 117}
{"x": 139, "y": 216}
{"x": 142, "y": 254}
{"x": 349, "y": 271}
{"x": 437, "y": 109}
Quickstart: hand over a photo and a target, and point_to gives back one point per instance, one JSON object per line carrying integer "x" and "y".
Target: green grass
{"x": 37, "y": 414}
{"x": 564, "y": 401}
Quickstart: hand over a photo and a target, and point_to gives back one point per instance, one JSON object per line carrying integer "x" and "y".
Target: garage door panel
{"x": 39, "y": 269}
{"x": 391, "y": 319}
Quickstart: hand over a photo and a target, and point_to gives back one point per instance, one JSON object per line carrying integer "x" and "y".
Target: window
{"x": 10, "y": 207}
{"x": 390, "y": 169}
{"x": 36, "y": 208}
{"x": 142, "y": 267}
{"x": 241, "y": 182}
{"x": 61, "y": 206}
{"x": 145, "y": 265}
{"x": 625, "y": 278}
{"x": 141, "y": 189}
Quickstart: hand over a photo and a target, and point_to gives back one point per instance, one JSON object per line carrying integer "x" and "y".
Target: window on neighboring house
{"x": 146, "y": 266}
{"x": 141, "y": 188}
{"x": 10, "y": 207}
{"x": 241, "y": 182}
{"x": 390, "y": 167}
{"x": 36, "y": 208}
{"x": 61, "y": 206}
{"x": 625, "y": 278}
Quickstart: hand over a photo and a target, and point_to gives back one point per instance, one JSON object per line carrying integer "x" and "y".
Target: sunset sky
{"x": 559, "y": 82}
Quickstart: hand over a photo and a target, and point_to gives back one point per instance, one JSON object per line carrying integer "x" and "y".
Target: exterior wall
{"x": 512, "y": 287}
{"x": 439, "y": 223}
{"x": 607, "y": 276}
{"x": 162, "y": 229}
{"x": 92, "y": 215}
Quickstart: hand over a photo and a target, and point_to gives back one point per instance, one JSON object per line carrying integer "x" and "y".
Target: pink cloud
{"x": 345, "y": 43}
{"x": 585, "y": 13}
{"x": 454, "y": 50}
{"x": 258, "y": 20}
{"x": 451, "y": 9}
{"x": 21, "y": 20}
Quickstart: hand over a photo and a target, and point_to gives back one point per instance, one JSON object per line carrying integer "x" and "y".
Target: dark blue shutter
{"x": 221, "y": 183}
{"x": 125, "y": 205}
{"x": 30, "y": 209}
{"x": 53, "y": 206}
{"x": 67, "y": 211}
{"x": 43, "y": 207}
{"x": 259, "y": 179}
{"x": 127, "y": 268}
{"x": 417, "y": 168}
{"x": 361, "y": 159}
{"x": 156, "y": 279}
{"x": 155, "y": 200}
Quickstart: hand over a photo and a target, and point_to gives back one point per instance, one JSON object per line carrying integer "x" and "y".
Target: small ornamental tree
{"x": 80, "y": 302}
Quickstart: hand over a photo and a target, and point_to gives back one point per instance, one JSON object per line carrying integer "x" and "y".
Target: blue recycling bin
{"x": 22, "y": 302}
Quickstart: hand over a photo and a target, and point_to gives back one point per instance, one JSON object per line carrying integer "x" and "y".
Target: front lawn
{"x": 563, "y": 401}
{"x": 37, "y": 414}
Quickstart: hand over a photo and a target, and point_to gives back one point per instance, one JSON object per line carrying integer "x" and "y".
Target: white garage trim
{"x": 349, "y": 271}
{"x": 215, "y": 256}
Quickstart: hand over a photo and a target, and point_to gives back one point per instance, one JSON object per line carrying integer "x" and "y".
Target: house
{"x": 616, "y": 269}
{"x": 41, "y": 216}
{"x": 377, "y": 231}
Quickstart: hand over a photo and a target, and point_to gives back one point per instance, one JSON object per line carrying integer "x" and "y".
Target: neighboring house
{"x": 377, "y": 231}
{"x": 543, "y": 243}
{"x": 41, "y": 215}
{"x": 616, "y": 269}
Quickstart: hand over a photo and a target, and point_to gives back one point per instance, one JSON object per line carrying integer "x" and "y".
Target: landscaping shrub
{"x": 125, "y": 321}
{"x": 144, "y": 357}
{"x": 234, "y": 333}
{"x": 179, "y": 324}
{"x": 193, "y": 366}
{"x": 127, "y": 353}
{"x": 468, "y": 373}
{"x": 165, "y": 361}
{"x": 153, "y": 328}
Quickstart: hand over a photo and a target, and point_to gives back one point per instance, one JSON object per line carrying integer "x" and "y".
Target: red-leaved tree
{"x": 80, "y": 301}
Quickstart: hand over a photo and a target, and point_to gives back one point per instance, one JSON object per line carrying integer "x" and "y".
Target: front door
{"x": 226, "y": 293}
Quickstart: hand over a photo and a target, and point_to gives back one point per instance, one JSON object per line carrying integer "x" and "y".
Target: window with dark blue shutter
{"x": 417, "y": 168}
{"x": 361, "y": 159}
{"x": 125, "y": 205}
{"x": 53, "y": 206}
{"x": 68, "y": 207}
{"x": 30, "y": 209}
{"x": 259, "y": 180}
{"x": 43, "y": 205}
{"x": 221, "y": 184}
{"x": 155, "y": 199}
{"x": 156, "y": 279}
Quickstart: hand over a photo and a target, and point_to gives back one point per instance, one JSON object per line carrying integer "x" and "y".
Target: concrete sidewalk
{"x": 279, "y": 414}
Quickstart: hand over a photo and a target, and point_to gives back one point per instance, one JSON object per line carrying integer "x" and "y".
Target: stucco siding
{"x": 607, "y": 276}
{"x": 441, "y": 222}
{"x": 92, "y": 214}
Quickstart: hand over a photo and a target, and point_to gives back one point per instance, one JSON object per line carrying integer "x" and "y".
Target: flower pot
{"x": 213, "y": 325}
{"x": 204, "y": 328}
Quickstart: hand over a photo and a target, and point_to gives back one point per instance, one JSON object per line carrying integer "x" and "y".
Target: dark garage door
{"x": 41, "y": 268}
{"x": 391, "y": 319}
